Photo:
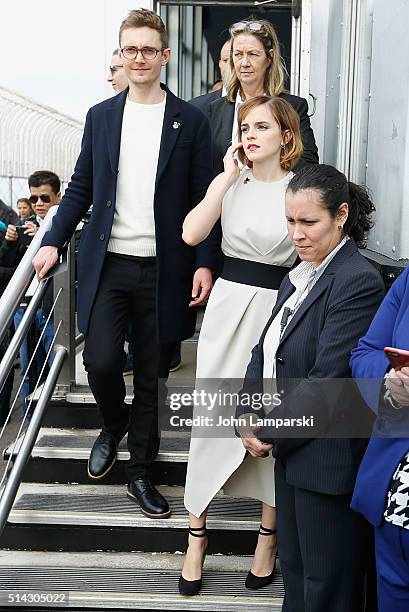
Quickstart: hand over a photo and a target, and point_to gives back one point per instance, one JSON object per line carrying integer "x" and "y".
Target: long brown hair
{"x": 274, "y": 77}
{"x": 288, "y": 120}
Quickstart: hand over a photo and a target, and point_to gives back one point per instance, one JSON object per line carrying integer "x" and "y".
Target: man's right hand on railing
{"x": 45, "y": 259}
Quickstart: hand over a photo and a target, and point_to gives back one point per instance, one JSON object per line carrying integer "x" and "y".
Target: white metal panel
{"x": 305, "y": 51}
{"x": 388, "y": 140}
{"x": 355, "y": 76}
{"x": 295, "y": 55}
{"x": 346, "y": 85}
{"x": 361, "y": 92}
{"x": 326, "y": 37}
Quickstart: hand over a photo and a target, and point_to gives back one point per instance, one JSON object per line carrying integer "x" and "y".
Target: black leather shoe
{"x": 103, "y": 454}
{"x": 151, "y": 502}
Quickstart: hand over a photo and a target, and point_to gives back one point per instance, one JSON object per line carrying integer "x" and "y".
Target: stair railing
{"x": 61, "y": 375}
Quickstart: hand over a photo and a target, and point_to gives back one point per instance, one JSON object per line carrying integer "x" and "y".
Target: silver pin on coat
{"x": 176, "y": 125}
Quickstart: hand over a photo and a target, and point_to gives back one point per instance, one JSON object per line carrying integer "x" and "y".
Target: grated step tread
{"x": 148, "y": 588}
{"x": 108, "y": 506}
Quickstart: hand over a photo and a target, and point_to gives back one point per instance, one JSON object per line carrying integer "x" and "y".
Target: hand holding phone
{"x": 398, "y": 358}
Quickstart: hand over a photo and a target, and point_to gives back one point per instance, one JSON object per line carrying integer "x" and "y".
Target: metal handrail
{"x": 13, "y": 482}
{"x": 17, "y": 339}
{"x": 9, "y": 302}
{"x": 22, "y": 277}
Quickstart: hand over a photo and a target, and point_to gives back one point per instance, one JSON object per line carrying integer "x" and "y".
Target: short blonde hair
{"x": 288, "y": 120}
{"x": 276, "y": 72}
{"x": 143, "y": 17}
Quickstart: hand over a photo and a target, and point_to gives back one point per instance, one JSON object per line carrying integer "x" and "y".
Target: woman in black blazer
{"x": 323, "y": 307}
{"x": 257, "y": 68}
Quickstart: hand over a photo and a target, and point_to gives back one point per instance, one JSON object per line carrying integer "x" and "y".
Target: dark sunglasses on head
{"x": 43, "y": 197}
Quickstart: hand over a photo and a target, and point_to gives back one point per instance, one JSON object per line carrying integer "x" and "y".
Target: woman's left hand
{"x": 397, "y": 382}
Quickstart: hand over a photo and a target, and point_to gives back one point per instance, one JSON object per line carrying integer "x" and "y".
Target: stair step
{"x": 137, "y": 581}
{"x": 79, "y": 409}
{"x": 61, "y": 455}
{"x": 97, "y": 517}
{"x": 64, "y": 443}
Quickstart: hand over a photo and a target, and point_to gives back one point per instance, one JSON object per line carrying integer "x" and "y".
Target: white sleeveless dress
{"x": 254, "y": 228}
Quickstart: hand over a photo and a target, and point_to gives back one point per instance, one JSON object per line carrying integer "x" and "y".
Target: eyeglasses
{"x": 242, "y": 26}
{"x": 148, "y": 53}
{"x": 115, "y": 68}
{"x": 43, "y": 197}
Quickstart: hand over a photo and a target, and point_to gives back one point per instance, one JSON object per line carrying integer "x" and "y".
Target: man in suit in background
{"x": 145, "y": 162}
{"x": 117, "y": 75}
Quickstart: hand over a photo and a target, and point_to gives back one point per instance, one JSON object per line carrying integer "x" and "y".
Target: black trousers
{"x": 127, "y": 293}
{"x": 323, "y": 547}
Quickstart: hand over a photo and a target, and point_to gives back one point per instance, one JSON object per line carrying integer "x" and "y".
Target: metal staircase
{"x": 69, "y": 543}
{"x": 89, "y": 541}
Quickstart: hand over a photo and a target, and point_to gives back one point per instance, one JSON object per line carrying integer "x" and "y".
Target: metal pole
{"x": 22, "y": 277}
{"x": 11, "y": 191}
{"x": 65, "y": 312}
{"x": 13, "y": 482}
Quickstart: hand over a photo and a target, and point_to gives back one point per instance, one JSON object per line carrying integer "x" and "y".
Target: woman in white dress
{"x": 257, "y": 256}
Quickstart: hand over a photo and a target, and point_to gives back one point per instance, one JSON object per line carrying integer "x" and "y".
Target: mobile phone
{"x": 398, "y": 358}
{"x": 19, "y": 229}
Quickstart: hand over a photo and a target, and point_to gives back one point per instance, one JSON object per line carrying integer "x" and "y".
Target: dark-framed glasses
{"x": 148, "y": 53}
{"x": 242, "y": 26}
{"x": 115, "y": 68}
{"x": 44, "y": 197}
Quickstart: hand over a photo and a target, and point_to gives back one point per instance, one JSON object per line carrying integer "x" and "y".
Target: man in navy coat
{"x": 145, "y": 162}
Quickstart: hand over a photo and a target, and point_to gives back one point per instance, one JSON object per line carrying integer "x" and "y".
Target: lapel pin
{"x": 246, "y": 181}
{"x": 176, "y": 125}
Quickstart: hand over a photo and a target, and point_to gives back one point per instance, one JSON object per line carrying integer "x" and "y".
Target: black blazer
{"x": 221, "y": 115}
{"x": 183, "y": 175}
{"x": 316, "y": 346}
{"x": 204, "y": 100}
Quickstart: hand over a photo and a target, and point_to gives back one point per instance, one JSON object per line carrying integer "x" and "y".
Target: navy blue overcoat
{"x": 183, "y": 175}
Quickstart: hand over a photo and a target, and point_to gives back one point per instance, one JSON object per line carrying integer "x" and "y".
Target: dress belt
{"x": 253, "y": 273}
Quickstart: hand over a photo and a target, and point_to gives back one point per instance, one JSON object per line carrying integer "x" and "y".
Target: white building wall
{"x": 388, "y": 134}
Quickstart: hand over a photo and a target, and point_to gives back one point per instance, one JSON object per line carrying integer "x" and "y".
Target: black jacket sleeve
{"x": 77, "y": 197}
{"x": 310, "y": 150}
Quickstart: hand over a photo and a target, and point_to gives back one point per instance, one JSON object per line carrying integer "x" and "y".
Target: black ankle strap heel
{"x": 197, "y": 535}
{"x": 258, "y": 582}
{"x": 266, "y": 532}
{"x": 192, "y": 587}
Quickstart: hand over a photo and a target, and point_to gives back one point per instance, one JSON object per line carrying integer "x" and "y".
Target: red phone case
{"x": 398, "y": 358}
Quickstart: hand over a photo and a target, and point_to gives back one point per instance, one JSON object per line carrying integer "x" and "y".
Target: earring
{"x": 340, "y": 227}
{"x": 282, "y": 144}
